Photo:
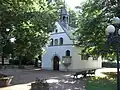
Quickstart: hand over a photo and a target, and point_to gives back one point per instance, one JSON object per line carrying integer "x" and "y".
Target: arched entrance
{"x": 56, "y": 63}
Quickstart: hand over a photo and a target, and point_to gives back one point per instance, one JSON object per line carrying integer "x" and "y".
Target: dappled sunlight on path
{"x": 100, "y": 72}
{"x": 57, "y": 80}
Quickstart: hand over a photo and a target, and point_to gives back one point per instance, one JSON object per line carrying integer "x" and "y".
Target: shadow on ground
{"x": 57, "y": 80}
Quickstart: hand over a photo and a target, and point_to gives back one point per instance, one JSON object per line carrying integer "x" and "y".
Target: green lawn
{"x": 101, "y": 84}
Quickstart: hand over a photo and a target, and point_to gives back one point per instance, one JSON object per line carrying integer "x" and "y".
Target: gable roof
{"x": 69, "y": 31}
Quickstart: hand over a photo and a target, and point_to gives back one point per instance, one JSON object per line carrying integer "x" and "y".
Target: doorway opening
{"x": 56, "y": 63}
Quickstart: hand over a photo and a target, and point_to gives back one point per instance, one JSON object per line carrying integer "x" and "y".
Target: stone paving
{"x": 56, "y": 79}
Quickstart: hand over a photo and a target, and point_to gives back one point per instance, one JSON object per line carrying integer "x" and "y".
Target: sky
{"x": 73, "y": 3}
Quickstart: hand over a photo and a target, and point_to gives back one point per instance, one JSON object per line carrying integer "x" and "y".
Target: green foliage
{"x": 110, "y": 74}
{"x": 73, "y": 19}
{"x": 94, "y": 17}
{"x": 29, "y": 22}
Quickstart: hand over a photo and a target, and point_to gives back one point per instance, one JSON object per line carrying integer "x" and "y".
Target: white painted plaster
{"x": 76, "y": 64}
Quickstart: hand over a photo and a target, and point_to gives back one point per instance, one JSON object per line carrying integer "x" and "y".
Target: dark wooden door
{"x": 56, "y": 63}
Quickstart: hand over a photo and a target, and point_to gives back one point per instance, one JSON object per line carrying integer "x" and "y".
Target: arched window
{"x": 56, "y": 30}
{"x": 68, "y": 53}
{"x": 56, "y": 41}
{"x": 63, "y": 18}
{"x": 51, "y": 43}
{"x": 61, "y": 41}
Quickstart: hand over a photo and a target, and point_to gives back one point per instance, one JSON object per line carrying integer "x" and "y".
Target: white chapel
{"x": 62, "y": 53}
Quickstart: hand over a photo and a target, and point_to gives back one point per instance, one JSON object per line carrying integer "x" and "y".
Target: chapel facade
{"x": 61, "y": 53}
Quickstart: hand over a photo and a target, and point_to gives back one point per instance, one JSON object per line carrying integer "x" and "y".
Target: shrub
{"x": 110, "y": 74}
{"x": 109, "y": 64}
{"x": 25, "y": 61}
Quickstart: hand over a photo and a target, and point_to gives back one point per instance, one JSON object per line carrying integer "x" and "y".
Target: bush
{"x": 109, "y": 64}
{"x": 25, "y": 61}
{"x": 14, "y": 62}
{"x": 110, "y": 74}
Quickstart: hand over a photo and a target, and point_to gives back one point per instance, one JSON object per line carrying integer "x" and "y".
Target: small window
{"x": 51, "y": 43}
{"x": 56, "y": 30}
{"x": 56, "y": 41}
{"x": 61, "y": 41}
{"x": 63, "y": 18}
{"x": 67, "y": 53}
{"x": 84, "y": 57}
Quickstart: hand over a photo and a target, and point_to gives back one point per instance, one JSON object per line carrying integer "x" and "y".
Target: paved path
{"x": 57, "y": 80}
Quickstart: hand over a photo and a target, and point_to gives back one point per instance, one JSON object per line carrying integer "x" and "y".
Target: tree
{"x": 94, "y": 17}
{"x": 73, "y": 19}
{"x": 29, "y": 22}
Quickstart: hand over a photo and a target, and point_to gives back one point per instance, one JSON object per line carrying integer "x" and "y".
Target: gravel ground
{"x": 56, "y": 79}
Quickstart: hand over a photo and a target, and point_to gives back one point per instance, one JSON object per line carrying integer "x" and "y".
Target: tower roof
{"x": 64, "y": 11}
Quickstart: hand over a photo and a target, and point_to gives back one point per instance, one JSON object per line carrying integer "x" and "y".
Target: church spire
{"x": 64, "y": 16}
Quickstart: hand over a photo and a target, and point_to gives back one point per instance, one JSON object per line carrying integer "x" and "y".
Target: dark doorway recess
{"x": 56, "y": 63}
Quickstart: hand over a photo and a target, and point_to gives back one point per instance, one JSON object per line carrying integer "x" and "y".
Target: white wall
{"x": 66, "y": 39}
{"x": 76, "y": 65}
{"x": 47, "y": 58}
{"x": 58, "y": 27}
{"x": 59, "y": 50}
{"x": 79, "y": 64}
{"x": 61, "y": 33}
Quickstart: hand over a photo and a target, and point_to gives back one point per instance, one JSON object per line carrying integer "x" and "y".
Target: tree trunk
{"x": 2, "y": 60}
{"x": 36, "y": 62}
{"x": 20, "y": 62}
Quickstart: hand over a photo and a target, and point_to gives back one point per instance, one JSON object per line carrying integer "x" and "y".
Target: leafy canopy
{"x": 29, "y": 22}
{"x": 94, "y": 17}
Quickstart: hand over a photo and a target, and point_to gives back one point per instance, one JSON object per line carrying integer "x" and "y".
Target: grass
{"x": 96, "y": 83}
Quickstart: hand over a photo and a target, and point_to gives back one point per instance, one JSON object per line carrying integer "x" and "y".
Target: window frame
{"x": 61, "y": 41}
{"x": 51, "y": 42}
{"x": 56, "y": 42}
{"x": 56, "y": 30}
{"x": 67, "y": 53}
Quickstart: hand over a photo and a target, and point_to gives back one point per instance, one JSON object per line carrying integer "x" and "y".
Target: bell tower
{"x": 64, "y": 17}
